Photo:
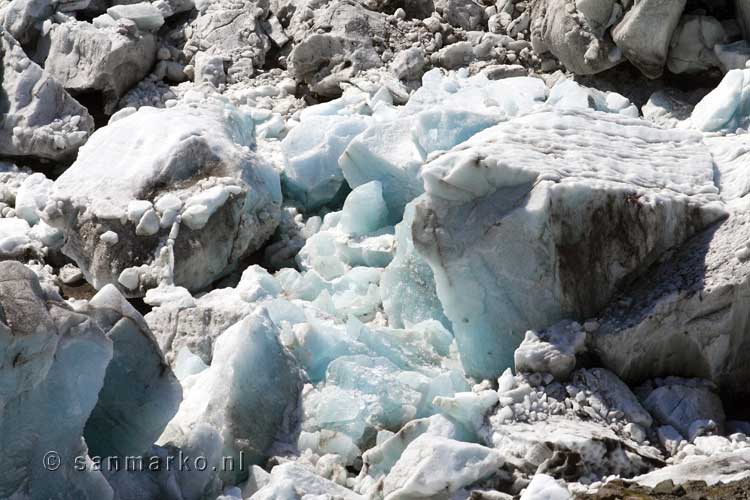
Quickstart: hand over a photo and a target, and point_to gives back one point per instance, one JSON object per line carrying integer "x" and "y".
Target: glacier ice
{"x": 140, "y": 393}
{"x": 407, "y": 286}
{"x": 312, "y": 175}
{"x": 250, "y": 370}
{"x": 518, "y": 215}
{"x": 544, "y": 487}
{"x": 440, "y": 115}
{"x": 727, "y": 106}
{"x": 53, "y": 365}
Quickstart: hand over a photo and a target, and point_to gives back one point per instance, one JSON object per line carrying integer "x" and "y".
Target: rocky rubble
{"x": 374, "y": 249}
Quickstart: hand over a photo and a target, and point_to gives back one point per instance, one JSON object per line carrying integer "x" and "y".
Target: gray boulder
{"x": 576, "y": 33}
{"x": 108, "y": 60}
{"x": 335, "y": 44}
{"x": 646, "y": 31}
{"x": 232, "y": 31}
{"x": 40, "y": 119}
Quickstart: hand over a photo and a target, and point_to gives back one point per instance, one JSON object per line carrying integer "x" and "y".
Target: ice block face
{"x": 51, "y": 371}
{"x": 541, "y": 218}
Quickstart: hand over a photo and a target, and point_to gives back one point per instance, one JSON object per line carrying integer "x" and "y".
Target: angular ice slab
{"x": 446, "y": 111}
{"x": 727, "y": 107}
{"x": 52, "y": 365}
{"x": 248, "y": 397}
{"x": 541, "y": 218}
{"x": 140, "y": 394}
{"x": 312, "y": 175}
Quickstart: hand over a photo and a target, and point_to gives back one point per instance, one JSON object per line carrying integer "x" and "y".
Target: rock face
{"x": 53, "y": 363}
{"x": 107, "y": 60}
{"x": 40, "y": 119}
{"x": 576, "y": 33}
{"x": 692, "y": 307}
{"x": 22, "y": 18}
{"x": 183, "y": 199}
{"x": 344, "y": 47}
{"x": 743, "y": 16}
{"x": 534, "y": 241}
{"x": 233, "y": 32}
{"x": 645, "y": 33}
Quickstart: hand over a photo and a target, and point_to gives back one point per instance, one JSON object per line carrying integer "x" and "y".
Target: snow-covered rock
{"x": 432, "y": 465}
{"x": 107, "y": 60}
{"x": 552, "y": 350}
{"x": 519, "y": 237}
{"x": 52, "y": 367}
{"x": 184, "y": 194}
{"x": 40, "y": 119}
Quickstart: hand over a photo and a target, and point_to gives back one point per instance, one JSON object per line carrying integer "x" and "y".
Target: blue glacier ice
{"x": 727, "y": 107}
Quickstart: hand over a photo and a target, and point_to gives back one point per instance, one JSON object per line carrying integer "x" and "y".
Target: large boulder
{"x": 336, "y": 44}
{"x": 40, "y": 119}
{"x": 692, "y": 46}
{"x": 576, "y": 33}
{"x": 183, "y": 198}
{"x": 107, "y": 60}
{"x": 646, "y": 31}
{"x": 231, "y": 34}
{"x": 52, "y": 366}
{"x": 542, "y": 217}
